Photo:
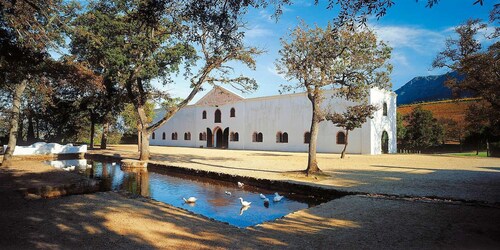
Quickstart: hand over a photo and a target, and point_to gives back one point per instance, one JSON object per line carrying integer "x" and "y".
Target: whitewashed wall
{"x": 285, "y": 113}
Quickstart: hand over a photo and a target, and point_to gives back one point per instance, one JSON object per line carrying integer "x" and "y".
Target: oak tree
{"x": 350, "y": 61}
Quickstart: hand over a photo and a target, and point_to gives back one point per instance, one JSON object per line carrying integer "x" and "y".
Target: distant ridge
{"x": 425, "y": 89}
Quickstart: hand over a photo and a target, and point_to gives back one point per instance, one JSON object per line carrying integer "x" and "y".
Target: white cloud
{"x": 420, "y": 40}
{"x": 272, "y": 70}
{"x": 399, "y": 59}
{"x": 257, "y": 32}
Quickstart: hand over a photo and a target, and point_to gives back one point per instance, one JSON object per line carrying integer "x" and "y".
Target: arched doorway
{"x": 385, "y": 143}
{"x": 225, "y": 138}
{"x": 219, "y": 138}
{"x": 209, "y": 138}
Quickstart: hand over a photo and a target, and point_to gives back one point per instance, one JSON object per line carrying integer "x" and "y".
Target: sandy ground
{"x": 110, "y": 220}
{"x": 460, "y": 178}
{"x": 113, "y": 220}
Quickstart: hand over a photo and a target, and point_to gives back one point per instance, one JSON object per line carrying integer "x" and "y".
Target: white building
{"x": 223, "y": 119}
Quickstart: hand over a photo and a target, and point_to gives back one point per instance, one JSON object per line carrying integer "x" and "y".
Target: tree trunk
{"x": 144, "y": 145}
{"x": 104, "y": 138}
{"x": 138, "y": 139}
{"x": 345, "y": 145}
{"x": 92, "y": 131}
{"x": 20, "y": 130}
{"x": 312, "y": 163}
{"x": 30, "y": 136}
{"x": 14, "y": 122}
{"x": 487, "y": 148}
{"x": 37, "y": 122}
{"x": 143, "y": 134}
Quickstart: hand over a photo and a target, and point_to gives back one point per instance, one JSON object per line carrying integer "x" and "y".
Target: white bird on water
{"x": 277, "y": 197}
{"x": 189, "y": 200}
{"x": 244, "y": 203}
{"x": 262, "y": 196}
{"x": 227, "y": 192}
{"x": 240, "y": 184}
{"x": 113, "y": 163}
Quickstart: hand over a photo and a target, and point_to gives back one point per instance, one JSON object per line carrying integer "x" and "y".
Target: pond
{"x": 213, "y": 200}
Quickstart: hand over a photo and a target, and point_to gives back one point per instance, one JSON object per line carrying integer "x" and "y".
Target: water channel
{"x": 212, "y": 198}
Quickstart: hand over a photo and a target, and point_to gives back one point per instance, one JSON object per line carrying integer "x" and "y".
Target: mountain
{"x": 425, "y": 89}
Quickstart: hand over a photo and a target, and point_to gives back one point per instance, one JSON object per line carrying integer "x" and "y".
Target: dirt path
{"x": 113, "y": 220}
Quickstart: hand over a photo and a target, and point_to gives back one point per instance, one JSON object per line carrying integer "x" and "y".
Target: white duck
{"x": 113, "y": 163}
{"x": 240, "y": 184}
{"x": 245, "y": 203}
{"x": 262, "y": 196}
{"x": 227, "y": 192}
{"x": 277, "y": 197}
{"x": 189, "y": 200}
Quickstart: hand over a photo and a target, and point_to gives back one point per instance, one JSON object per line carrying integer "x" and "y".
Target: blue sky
{"x": 415, "y": 32}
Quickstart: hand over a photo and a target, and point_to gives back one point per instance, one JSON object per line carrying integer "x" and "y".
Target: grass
{"x": 481, "y": 154}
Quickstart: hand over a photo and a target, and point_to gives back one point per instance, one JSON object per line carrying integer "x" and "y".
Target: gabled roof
{"x": 218, "y": 96}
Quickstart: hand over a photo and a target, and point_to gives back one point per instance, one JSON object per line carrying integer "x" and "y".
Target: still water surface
{"x": 212, "y": 201}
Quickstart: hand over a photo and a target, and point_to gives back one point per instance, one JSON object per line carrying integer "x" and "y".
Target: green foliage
{"x": 350, "y": 61}
{"x": 400, "y": 128}
{"x": 422, "y": 129}
{"x": 131, "y": 118}
{"x": 479, "y": 68}
{"x": 353, "y": 117}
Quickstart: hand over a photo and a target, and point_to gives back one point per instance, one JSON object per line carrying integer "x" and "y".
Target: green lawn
{"x": 481, "y": 154}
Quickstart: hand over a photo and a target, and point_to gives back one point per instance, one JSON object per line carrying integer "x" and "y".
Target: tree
{"x": 480, "y": 72}
{"x": 422, "y": 129}
{"x": 27, "y": 30}
{"x": 131, "y": 120}
{"x": 146, "y": 40}
{"x": 400, "y": 128}
{"x": 352, "y": 118}
{"x": 350, "y": 61}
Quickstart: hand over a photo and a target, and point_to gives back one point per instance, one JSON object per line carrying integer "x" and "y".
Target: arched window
{"x": 340, "y": 138}
{"x": 187, "y": 136}
{"x": 254, "y": 137}
{"x": 279, "y": 137}
{"x": 174, "y": 136}
{"x": 284, "y": 138}
{"x": 153, "y": 136}
{"x": 233, "y": 113}
{"x": 384, "y": 109}
{"x": 307, "y": 137}
{"x": 234, "y": 136}
{"x": 260, "y": 137}
{"x": 204, "y": 115}
{"x": 163, "y": 136}
{"x": 217, "y": 116}
{"x": 203, "y": 136}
